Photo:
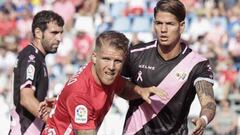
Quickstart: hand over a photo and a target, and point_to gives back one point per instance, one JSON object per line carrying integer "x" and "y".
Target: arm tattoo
{"x": 206, "y": 97}
{"x": 204, "y": 88}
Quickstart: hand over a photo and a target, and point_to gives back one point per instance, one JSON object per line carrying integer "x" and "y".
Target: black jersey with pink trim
{"x": 145, "y": 67}
{"x": 30, "y": 71}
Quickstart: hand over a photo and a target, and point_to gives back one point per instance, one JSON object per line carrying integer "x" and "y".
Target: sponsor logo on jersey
{"x": 30, "y": 71}
{"x": 146, "y": 67}
{"x": 181, "y": 76}
{"x": 81, "y": 114}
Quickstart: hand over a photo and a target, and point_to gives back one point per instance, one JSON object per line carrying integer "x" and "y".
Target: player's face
{"x": 108, "y": 63}
{"x": 52, "y": 37}
{"x": 167, "y": 28}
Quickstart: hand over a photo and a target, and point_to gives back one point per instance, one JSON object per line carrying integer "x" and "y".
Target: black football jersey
{"x": 30, "y": 71}
{"x": 145, "y": 67}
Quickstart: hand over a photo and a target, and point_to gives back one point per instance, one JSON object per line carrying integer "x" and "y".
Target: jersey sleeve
{"x": 28, "y": 70}
{"x": 81, "y": 113}
{"x": 204, "y": 72}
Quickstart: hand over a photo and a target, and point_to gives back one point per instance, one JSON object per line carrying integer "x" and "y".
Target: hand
{"x": 50, "y": 102}
{"x": 146, "y": 93}
{"x": 200, "y": 126}
{"x": 45, "y": 108}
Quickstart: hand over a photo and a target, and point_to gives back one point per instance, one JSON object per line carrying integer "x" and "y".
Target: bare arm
{"x": 208, "y": 106}
{"x": 132, "y": 91}
{"x": 28, "y": 100}
{"x": 86, "y": 132}
{"x": 206, "y": 98}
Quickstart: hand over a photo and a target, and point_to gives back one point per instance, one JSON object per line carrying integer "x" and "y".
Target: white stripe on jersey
{"x": 28, "y": 82}
{"x": 184, "y": 50}
{"x": 202, "y": 78}
{"x": 68, "y": 130}
{"x": 144, "y": 48}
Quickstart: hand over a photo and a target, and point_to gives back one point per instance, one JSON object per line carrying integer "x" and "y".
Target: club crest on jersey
{"x": 31, "y": 58}
{"x": 181, "y": 76}
{"x": 81, "y": 114}
{"x": 30, "y": 71}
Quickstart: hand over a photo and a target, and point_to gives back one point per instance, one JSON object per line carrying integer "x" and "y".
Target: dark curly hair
{"x": 42, "y": 18}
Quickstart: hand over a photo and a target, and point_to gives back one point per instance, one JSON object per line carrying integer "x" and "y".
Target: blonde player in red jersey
{"x": 87, "y": 97}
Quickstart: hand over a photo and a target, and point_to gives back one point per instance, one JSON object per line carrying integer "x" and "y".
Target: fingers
{"x": 148, "y": 100}
{"x": 199, "y": 131}
{"x": 44, "y": 112}
{"x": 200, "y": 126}
{"x": 194, "y": 120}
{"x": 42, "y": 105}
{"x": 160, "y": 93}
{"x": 146, "y": 93}
{"x": 146, "y": 97}
{"x": 43, "y": 109}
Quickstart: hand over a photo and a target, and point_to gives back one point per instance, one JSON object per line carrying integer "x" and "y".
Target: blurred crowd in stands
{"x": 212, "y": 29}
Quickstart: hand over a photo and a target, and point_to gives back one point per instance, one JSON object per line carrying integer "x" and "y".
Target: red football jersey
{"x": 82, "y": 104}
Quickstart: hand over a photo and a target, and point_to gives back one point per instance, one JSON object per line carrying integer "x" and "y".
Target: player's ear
{"x": 94, "y": 57}
{"x": 38, "y": 33}
{"x": 182, "y": 26}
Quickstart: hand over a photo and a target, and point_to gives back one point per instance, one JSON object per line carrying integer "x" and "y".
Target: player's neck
{"x": 95, "y": 76}
{"x": 39, "y": 46}
{"x": 169, "y": 52}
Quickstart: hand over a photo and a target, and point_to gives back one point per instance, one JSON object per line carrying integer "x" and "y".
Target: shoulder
{"x": 195, "y": 57}
{"x": 143, "y": 46}
{"x": 28, "y": 50}
{"x": 80, "y": 80}
{"x": 28, "y": 53}
{"x": 187, "y": 51}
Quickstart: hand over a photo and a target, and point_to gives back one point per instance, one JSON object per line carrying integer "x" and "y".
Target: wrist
{"x": 138, "y": 90}
{"x": 204, "y": 117}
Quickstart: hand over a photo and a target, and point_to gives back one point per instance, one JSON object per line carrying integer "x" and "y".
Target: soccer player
{"x": 171, "y": 65}
{"x": 31, "y": 76}
{"x": 87, "y": 96}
